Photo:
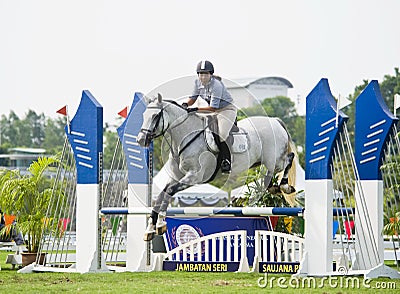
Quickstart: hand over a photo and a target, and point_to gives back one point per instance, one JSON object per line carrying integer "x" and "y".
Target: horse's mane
{"x": 174, "y": 102}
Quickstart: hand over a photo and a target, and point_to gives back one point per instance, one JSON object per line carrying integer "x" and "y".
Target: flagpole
{"x": 68, "y": 122}
{"x": 337, "y": 112}
{"x": 396, "y": 103}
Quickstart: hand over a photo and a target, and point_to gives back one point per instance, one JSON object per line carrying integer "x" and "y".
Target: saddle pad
{"x": 240, "y": 142}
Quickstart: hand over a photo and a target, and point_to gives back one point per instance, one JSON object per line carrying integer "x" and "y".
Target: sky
{"x": 53, "y": 50}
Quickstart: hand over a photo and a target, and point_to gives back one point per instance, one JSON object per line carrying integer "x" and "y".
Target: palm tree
{"x": 28, "y": 197}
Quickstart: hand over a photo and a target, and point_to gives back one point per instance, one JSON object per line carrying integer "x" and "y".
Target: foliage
{"x": 54, "y": 135}
{"x": 392, "y": 226}
{"x": 257, "y": 195}
{"x": 110, "y": 141}
{"x": 28, "y": 197}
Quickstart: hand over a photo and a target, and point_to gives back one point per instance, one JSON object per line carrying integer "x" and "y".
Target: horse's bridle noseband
{"x": 150, "y": 133}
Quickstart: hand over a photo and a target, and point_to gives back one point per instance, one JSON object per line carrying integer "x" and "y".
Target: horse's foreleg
{"x": 158, "y": 224}
{"x": 157, "y": 217}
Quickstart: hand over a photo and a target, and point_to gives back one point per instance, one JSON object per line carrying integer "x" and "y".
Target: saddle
{"x": 237, "y": 140}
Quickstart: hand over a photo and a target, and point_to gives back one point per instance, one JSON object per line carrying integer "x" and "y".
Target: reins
{"x": 168, "y": 129}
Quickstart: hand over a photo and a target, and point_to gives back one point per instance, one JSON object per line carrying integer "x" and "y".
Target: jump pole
{"x": 210, "y": 211}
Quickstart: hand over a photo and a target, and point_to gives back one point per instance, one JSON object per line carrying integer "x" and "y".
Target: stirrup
{"x": 150, "y": 231}
{"x": 161, "y": 225}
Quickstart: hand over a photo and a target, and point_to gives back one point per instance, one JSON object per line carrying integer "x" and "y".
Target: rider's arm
{"x": 207, "y": 109}
{"x": 216, "y": 96}
{"x": 190, "y": 101}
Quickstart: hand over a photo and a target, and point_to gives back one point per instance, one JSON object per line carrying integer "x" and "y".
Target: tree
{"x": 34, "y": 125}
{"x": 54, "y": 135}
{"x": 110, "y": 141}
{"x": 28, "y": 198}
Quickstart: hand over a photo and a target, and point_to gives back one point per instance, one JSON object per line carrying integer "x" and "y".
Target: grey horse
{"x": 192, "y": 161}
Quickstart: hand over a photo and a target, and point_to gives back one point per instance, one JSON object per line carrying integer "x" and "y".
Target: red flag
{"x": 124, "y": 112}
{"x": 62, "y": 110}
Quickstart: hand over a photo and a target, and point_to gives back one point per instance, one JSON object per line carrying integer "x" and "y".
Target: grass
{"x": 171, "y": 282}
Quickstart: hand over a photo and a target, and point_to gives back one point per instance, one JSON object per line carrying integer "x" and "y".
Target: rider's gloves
{"x": 185, "y": 105}
{"x": 192, "y": 109}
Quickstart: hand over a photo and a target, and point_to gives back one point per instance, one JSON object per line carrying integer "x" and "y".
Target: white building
{"x": 247, "y": 92}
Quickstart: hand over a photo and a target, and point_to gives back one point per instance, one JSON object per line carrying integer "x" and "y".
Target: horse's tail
{"x": 291, "y": 198}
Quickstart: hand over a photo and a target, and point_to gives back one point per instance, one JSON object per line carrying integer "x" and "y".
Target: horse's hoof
{"x": 288, "y": 189}
{"x": 274, "y": 189}
{"x": 148, "y": 236}
{"x": 161, "y": 229}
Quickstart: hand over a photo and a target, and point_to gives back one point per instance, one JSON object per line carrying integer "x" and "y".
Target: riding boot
{"x": 226, "y": 158}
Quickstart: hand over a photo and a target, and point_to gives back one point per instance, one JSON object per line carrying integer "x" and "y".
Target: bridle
{"x": 150, "y": 133}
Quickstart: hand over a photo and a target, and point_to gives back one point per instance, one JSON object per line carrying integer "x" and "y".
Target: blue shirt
{"x": 215, "y": 93}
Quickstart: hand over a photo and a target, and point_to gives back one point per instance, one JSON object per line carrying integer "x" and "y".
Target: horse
{"x": 191, "y": 160}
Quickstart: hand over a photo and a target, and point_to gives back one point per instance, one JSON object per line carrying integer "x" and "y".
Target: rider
{"x": 213, "y": 91}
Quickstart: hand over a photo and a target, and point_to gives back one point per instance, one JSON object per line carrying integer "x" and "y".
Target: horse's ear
{"x": 159, "y": 98}
{"x": 147, "y": 99}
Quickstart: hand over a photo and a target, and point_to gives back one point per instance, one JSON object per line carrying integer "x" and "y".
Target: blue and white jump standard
{"x": 139, "y": 187}
{"x": 374, "y": 125}
{"x": 85, "y": 135}
{"x": 322, "y": 129}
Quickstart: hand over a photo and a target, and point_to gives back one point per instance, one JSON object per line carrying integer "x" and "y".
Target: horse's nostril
{"x": 141, "y": 139}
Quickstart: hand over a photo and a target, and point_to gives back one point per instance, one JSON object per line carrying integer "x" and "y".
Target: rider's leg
{"x": 226, "y": 157}
{"x": 226, "y": 118}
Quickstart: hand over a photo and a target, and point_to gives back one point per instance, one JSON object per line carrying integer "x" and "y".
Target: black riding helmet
{"x": 205, "y": 66}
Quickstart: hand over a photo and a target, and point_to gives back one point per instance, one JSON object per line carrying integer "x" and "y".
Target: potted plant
{"x": 27, "y": 196}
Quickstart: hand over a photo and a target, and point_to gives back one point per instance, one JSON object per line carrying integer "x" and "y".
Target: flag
{"x": 62, "y": 110}
{"x": 396, "y": 102}
{"x": 343, "y": 102}
{"x": 124, "y": 112}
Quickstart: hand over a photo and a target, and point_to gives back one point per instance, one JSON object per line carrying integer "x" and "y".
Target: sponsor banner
{"x": 184, "y": 229}
{"x": 279, "y": 267}
{"x": 196, "y": 266}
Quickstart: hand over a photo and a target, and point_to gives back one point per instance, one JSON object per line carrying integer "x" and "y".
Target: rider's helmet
{"x": 205, "y": 66}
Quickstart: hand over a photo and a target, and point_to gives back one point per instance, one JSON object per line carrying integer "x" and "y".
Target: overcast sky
{"x": 52, "y": 50}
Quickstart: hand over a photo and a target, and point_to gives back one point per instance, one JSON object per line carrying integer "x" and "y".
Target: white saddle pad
{"x": 240, "y": 142}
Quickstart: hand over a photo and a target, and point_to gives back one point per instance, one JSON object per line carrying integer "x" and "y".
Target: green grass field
{"x": 179, "y": 282}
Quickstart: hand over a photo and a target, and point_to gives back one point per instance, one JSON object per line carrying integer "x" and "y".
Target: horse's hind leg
{"x": 284, "y": 184}
{"x": 273, "y": 189}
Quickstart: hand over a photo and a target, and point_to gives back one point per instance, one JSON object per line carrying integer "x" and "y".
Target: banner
{"x": 184, "y": 229}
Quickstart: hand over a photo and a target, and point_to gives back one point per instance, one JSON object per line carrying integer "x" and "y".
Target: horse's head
{"x": 157, "y": 118}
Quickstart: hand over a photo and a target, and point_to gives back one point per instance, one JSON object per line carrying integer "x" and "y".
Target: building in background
{"x": 22, "y": 157}
{"x": 247, "y": 92}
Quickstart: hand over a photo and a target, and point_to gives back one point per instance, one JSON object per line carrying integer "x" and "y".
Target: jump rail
{"x": 207, "y": 211}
